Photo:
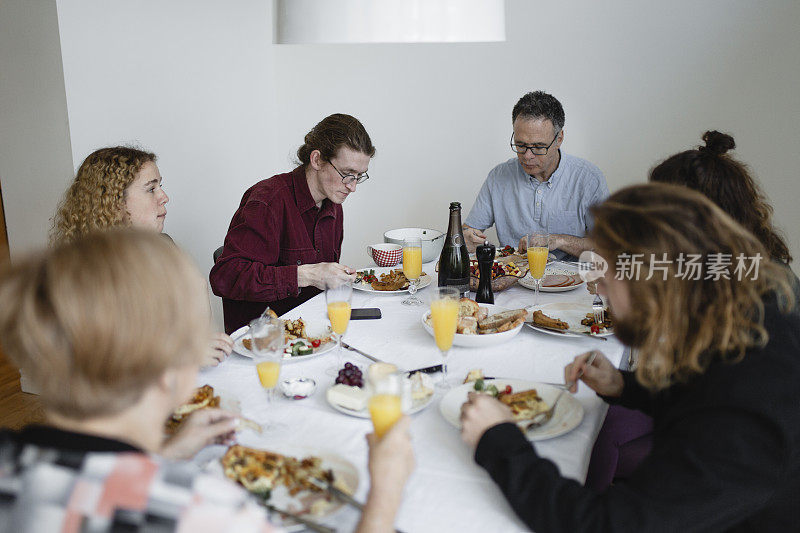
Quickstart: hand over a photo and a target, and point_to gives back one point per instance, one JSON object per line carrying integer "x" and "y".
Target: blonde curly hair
{"x": 96, "y": 198}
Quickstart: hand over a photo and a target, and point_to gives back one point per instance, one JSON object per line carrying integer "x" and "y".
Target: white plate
{"x": 424, "y": 280}
{"x": 343, "y": 470}
{"x": 570, "y": 312}
{"x": 478, "y": 341}
{"x": 553, "y": 269}
{"x": 568, "y": 414}
{"x": 416, "y": 407}
{"x": 315, "y": 328}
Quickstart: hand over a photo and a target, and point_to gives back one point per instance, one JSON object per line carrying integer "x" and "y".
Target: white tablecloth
{"x": 448, "y": 491}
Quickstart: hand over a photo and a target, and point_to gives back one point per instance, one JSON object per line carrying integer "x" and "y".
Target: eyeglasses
{"x": 535, "y": 150}
{"x": 347, "y": 179}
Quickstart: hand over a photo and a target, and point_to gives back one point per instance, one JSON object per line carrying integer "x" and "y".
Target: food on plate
{"x": 298, "y": 341}
{"x": 607, "y": 320}
{"x": 498, "y": 269}
{"x": 561, "y": 280}
{"x": 366, "y": 276}
{"x": 467, "y": 325}
{"x": 348, "y": 396}
{"x": 503, "y": 321}
{"x": 474, "y": 375}
{"x": 350, "y": 375}
{"x": 471, "y": 316}
{"x": 261, "y": 471}
{"x": 490, "y": 389}
{"x": 394, "y": 280}
{"x": 506, "y": 251}
{"x": 202, "y": 398}
{"x": 541, "y": 319}
{"x": 505, "y": 273}
{"x": 421, "y": 387}
{"x": 378, "y": 371}
{"x": 524, "y": 405}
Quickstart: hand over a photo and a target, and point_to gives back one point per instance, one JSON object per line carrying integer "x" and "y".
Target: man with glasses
{"x": 284, "y": 242}
{"x": 542, "y": 189}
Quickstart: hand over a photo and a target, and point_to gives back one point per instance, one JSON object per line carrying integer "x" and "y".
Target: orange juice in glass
{"x": 266, "y": 336}
{"x": 538, "y": 245}
{"x": 412, "y": 268}
{"x": 338, "y": 300}
{"x": 385, "y": 405}
{"x": 444, "y": 315}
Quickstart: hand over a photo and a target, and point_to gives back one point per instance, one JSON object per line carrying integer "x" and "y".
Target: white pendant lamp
{"x": 389, "y": 21}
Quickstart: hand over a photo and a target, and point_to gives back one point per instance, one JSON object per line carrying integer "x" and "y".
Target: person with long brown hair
{"x": 120, "y": 186}
{"x": 626, "y": 436}
{"x": 284, "y": 242}
{"x": 111, "y": 325}
{"x": 718, "y": 370}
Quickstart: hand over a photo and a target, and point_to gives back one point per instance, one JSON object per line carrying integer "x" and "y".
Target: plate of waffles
{"x": 557, "y": 278}
{"x": 385, "y": 280}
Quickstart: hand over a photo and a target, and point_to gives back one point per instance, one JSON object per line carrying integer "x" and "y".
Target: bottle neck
{"x": 454, "y": 232}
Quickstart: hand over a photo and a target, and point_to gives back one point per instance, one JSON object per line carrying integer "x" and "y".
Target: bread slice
{"x": 497, "y": 320}
{"x": 474, "y": 375}
{"x": 467, "y": 326}
{"x": 467, "y": 307}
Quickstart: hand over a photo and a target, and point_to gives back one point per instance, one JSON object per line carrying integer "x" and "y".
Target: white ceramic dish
{"x": 300, "y": 504}
{"x": 478, "y": 341}
{"x": 568, "y": 414}
{"x": 416, "y": 407}
{"x": 570, "y": 312}
{"x": 313, "y": 328}
{"x": 432, "y": 240}
{"x": 424, "y": 281}
{"x": 553, "y": 269}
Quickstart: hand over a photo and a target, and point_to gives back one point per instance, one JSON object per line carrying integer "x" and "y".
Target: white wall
{"x": 35, "y": 158}
{"x": 200, "y": 83}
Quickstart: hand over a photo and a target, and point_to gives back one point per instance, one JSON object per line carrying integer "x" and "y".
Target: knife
{"x": 336, "y": 492}
{"x": 565, "y": 331}
{"x": 426, "y": 370}
{"x": 352, "y": 349}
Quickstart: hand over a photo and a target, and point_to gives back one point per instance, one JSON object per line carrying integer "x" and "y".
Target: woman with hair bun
{"x": 284, "y": 242}
{"x": 120, "y": 186}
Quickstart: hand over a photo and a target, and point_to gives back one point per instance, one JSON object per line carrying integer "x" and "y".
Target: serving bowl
{"x": 432, "y": 240}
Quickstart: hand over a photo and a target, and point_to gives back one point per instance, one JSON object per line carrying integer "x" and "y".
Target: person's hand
{"x": 600, "y": 376}
{"x": 479, "y": 413}
{"x": 324, "y": 275}
{"x": 200, "y": 429}
{"x": 391, "y": 458}
{"x": 391, "y": 461}
{"x": 523, "y": 244}
{"x": 219, "y": 348}
{"x": 473, "y": 238}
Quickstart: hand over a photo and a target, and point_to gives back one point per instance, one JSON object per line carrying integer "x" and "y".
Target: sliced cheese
{"x": 354, "y": 398}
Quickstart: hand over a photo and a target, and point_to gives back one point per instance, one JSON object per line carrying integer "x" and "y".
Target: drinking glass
{"x": 266, "y": 336}
{"x": 444, "y": 314}
{"x": 385, "y": 404}
{"x": 412, "y": 268}
{"x": 338, "y": 300}
{"x": 538, "y": 250}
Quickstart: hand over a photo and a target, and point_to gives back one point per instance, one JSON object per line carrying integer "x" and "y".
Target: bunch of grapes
{"x": 350, "y": 375}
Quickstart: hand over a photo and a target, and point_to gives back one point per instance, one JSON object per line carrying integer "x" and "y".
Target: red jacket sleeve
{"x": 248, "y": 268}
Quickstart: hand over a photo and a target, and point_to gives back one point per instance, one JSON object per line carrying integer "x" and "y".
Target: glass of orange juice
{"x": 385, "y": 404}
{"x": 538, "y": 249}
{"x": 338, "y": 300}
{"x": 412, "y": 268}
{"x": 266, "y": 335}
{"x": 444, "y": 315}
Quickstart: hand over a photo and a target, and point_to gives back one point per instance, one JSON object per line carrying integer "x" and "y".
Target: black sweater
{"x": 726, "y": 454}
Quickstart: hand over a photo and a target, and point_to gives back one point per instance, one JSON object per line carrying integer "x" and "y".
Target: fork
{"x": 598, "y": 309}
{"x": 545, "y": 416}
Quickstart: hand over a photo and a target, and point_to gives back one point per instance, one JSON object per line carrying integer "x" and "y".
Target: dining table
{"x": 447, "y": 491}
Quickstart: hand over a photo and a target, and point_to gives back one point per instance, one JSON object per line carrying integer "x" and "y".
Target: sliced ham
{"x": 555, "y": 280}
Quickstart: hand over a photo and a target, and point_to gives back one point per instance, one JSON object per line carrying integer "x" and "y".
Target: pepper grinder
{"x": 485, "y": 255}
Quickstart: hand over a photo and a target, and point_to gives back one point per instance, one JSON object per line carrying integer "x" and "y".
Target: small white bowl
{"x": 298, "y": 388}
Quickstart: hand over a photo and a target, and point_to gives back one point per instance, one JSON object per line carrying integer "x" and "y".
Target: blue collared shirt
{"x": 518, "y": 204}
